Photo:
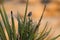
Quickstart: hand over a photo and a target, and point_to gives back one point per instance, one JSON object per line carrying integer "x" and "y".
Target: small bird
{"x": 29, "y": 14}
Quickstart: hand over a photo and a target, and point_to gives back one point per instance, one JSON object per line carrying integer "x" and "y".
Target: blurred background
{"x": 51, "y": 14}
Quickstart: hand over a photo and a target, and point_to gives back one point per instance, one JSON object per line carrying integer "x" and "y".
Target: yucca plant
{"x": 27, "y": 30}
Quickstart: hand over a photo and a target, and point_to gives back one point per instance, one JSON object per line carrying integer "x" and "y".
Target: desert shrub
{"x": 27, "y": 30}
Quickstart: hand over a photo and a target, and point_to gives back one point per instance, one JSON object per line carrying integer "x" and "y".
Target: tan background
{"x": 52, "y": 13}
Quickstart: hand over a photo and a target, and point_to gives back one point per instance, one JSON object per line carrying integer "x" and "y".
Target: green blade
{"x": 6, "y": 24}
{"x": 44, "y": 29}
{"x": 2, "y": 34}
{"x": 13, "y": 27}
{"x": 20, "y": 26}
{"x": 25, "y": 12}
{"x": 37, "y": 26}
{"x": 55, "y": 37}
{"x": 42, "y": 37}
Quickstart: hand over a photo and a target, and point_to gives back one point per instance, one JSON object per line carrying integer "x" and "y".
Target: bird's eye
{"x": 45, "y": 1}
